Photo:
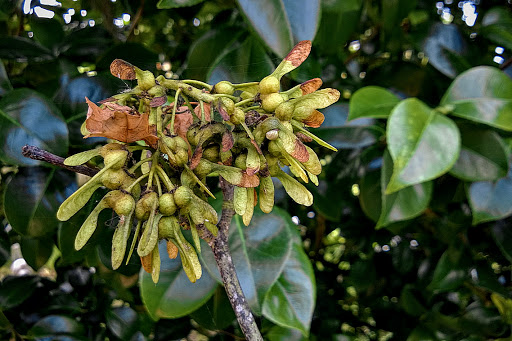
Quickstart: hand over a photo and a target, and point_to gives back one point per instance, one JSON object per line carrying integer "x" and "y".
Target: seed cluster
{"x": 169, "y": 135}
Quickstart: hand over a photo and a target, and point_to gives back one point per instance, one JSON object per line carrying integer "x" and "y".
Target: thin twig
{"x": 226, "y": 267}
{"x": 39, "y": 154}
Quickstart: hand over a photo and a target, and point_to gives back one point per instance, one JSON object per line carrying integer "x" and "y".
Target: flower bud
{"x": 124, "y": 205}
{"x": 238, "y": 116}
{"x": 284, "y": 111}
{"x": 145, "y": 204}
{"x": 212, "y": 153}
{"x": 145, "y": 79}
{"x": 269, "y": 84}
{"x": 271, "y": 101}
{"x": 166, "y": 204}
{"x": 224, "y": 87}
{"x": 114, "y": 178}
{"x": 183, "y": 196}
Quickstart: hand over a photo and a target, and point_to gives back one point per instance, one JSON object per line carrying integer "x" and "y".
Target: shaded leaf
{"x": 217, "y": 313}
{"x": 56, "y": 327}
{"x": 23, "y": 49}
{"x": 36, "y": 251}
{"x": 502, "y": 235}
{"x": 259, "y": 253}
{"x": 162, "y": 4}
{"x": 423, "y": 144}
{"x": 482, "y": 94}
{"x": 15, "y": 290}
{"x": 32, "y": 198}
{"x": 404, "y": 204}
{"x": 122, "y": 322}
{"x": 482, "y": 155}
{"x": 27, "y": 117}
{"x": 496, "y": 26}
{"x": 449, "y": 273}
{"x": 174, "y": 296}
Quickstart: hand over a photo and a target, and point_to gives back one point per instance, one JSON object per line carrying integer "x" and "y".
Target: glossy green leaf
{"x": 409, "y": 301}
{"x": 423, "y": 144}
{"x": 163, "y": 4}
{"x": 245, "y": 63}
{"x": 291, "y": 300}
{"x": 422, "y": 333}
{"x": 372, "y": 101}
{"x": 259, "y": 253}
{"x": 32, "y": 198}
{"x": 278, "y": 333}
{"x": 442, "y": 46}
{"x": 36, "y": 251}
{"x": 496, "y": 26}
{"x": 58, "y": 327}
{"x": 338, "y": 22}
{"x": 27, "y": 117}
{"x": 282, "y": 23}
{"x": 502, "y": 235}
{"x": 370, "y": 195}
{"x": 5, "y": 84}
{"x": 407, "y": 203}
{"x": 174, "y": 296}
{"x": 482, "y": 94}
{"x": 342, "y": 134}
{"x": 23, "y": 49}
{"x": 479, "y": 319}
{"x": 482, "y": 156}
{"x": 5, "y": 247}
{"x": 207, "y": 51}
{"x": 217, "y": 313}
{"x": 15, "y": 290}
{"x": 491, "y": 200}
{"x": 449, "y": 273}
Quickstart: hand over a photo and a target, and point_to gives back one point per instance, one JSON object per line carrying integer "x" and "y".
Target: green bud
{"x": 270, "y": 102}
{"x": 284, "y": 111}
{"x": 145, "y": 79}
{"x": 241, "y": 161}
{"x": 183, "y": 196}
{"x": 224, "y": 87}
{"x": 114, "y": 178}
{"x": 212, "y": 153}
{"x": 238, "y": 116}
{"x": 145, "y": 204}
{"x": 124, "y": 205}
{"x": 269, "y": 84}
{"x": 166, "y": 204}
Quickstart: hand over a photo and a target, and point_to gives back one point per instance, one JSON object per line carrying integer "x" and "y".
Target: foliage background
{"x": 428, "y": 262}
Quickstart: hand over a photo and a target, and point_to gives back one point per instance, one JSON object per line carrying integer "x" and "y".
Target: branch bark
{"x": 226, "y": 267}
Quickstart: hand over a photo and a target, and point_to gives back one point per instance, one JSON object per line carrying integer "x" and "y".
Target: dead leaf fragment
{"x": 119, "y": 123}
{"x": 122, "y": 69}
{"x": 310, "y": 86}
{"x": 299, "y": 53}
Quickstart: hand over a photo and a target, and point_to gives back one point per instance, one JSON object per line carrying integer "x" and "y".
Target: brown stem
{"x": 226, "y": 267}
{"x": 39, "y": 154}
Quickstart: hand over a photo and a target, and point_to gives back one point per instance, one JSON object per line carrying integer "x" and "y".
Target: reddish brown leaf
{"x": 223, "y": 113}
{"x": 172, "y": 250}
{"x": 304, "y": 137}
{"x": 207, "y": 111}
{"x": 300, "y": 153}
{"x": 311, "y": 86}
{"x": 249, "y": 180}
{"x": 196, "y": 157}
{"x": 120, "y": 123}
{"x": 299, "y": 53}
{"x": 183, "y": 121}
{"x": 258, "y": 149}
{"x": 227, "y": 141}
{"x": 158, "y": 101}
{"x": 122, "y": 69}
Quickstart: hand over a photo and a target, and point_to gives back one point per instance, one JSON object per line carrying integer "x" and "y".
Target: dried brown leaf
{"x": 310, "y": 86}
{"x": 158, "y": 101}
{"x": 207, "y": 111}
{"x": 120, "y": 123}
{"x": 249, "y": 180}
{"x": 172, "y": 250}
{"x": 227, "y": 141}
{"x": 147, "y": 263}
{"x": 300, "y": 153}
{"x": 299, "y": 53}
{"x": 315, "y": 119}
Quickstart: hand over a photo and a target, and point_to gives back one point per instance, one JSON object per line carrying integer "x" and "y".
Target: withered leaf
{"x": 315, "y": 119}
{"x": 249, "y": 180}
{"x": 227, "y": 141}
{"x": 158, "y": 101}
{"x": 147, "y": 263}
{"x": 120, "y": 123}
{"x": 172, "y": 250}
{"x": 223, "y": 113}
{"x": 300, "y": 153}
{"x": 183, "y": 121}
{"x": 122, "y": 69}
{"x": 196, "y": 157}
{"x": 207, "y": 111}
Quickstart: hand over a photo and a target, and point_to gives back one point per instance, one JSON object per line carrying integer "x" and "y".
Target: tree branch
{"x": 226, "y": 267}
{"x": 39, "y": 154}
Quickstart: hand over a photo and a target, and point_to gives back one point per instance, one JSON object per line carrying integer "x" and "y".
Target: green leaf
{"x": 449, "y": 273}
{"x": 174, "y": 296}
{"x": 502, "y": 235}
{"x": 423, "y": 144}
{"x": 482, "y": 94}
{"x": 393, "y": 13}
{"x": 342, "y": 134}
{"x": 443, "y": 47}
{"x": 23, "y": 50}
{"x": 370, "y": 195}
{"x": 282, "y": 23}
{"x": 278, "y": 333}
{"x": 163, "y": 4}
{"x": 27, "y": 117}
{"x": 491, "y": 200}
{"x": 404, "y": 204}
{"x": 5, "y": 84}
{"x": 372, "y": 101}
{"x": 496, "y": 26}
{"x": 32, "y": 198}
{"x": 482, "y": 155}
{"x": 122, "y": 322}
{"x": 15, "y": 290}
{"x": 409, "y": 301}
{"x": 217, "y": 313}
{"x": 244, "y": 63}
{"x": 339, "y": 20}
{"x": 48, "y": 32}
{"x": 259, "y": 253}
{"x": 36, "y": 251}
{"x": 481, "y": 320}
{"x": 58, "y": 327}
{"x": 291, "y": 300}
{"x": 207, "y": 51}
{"x": 5, "y": 247}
